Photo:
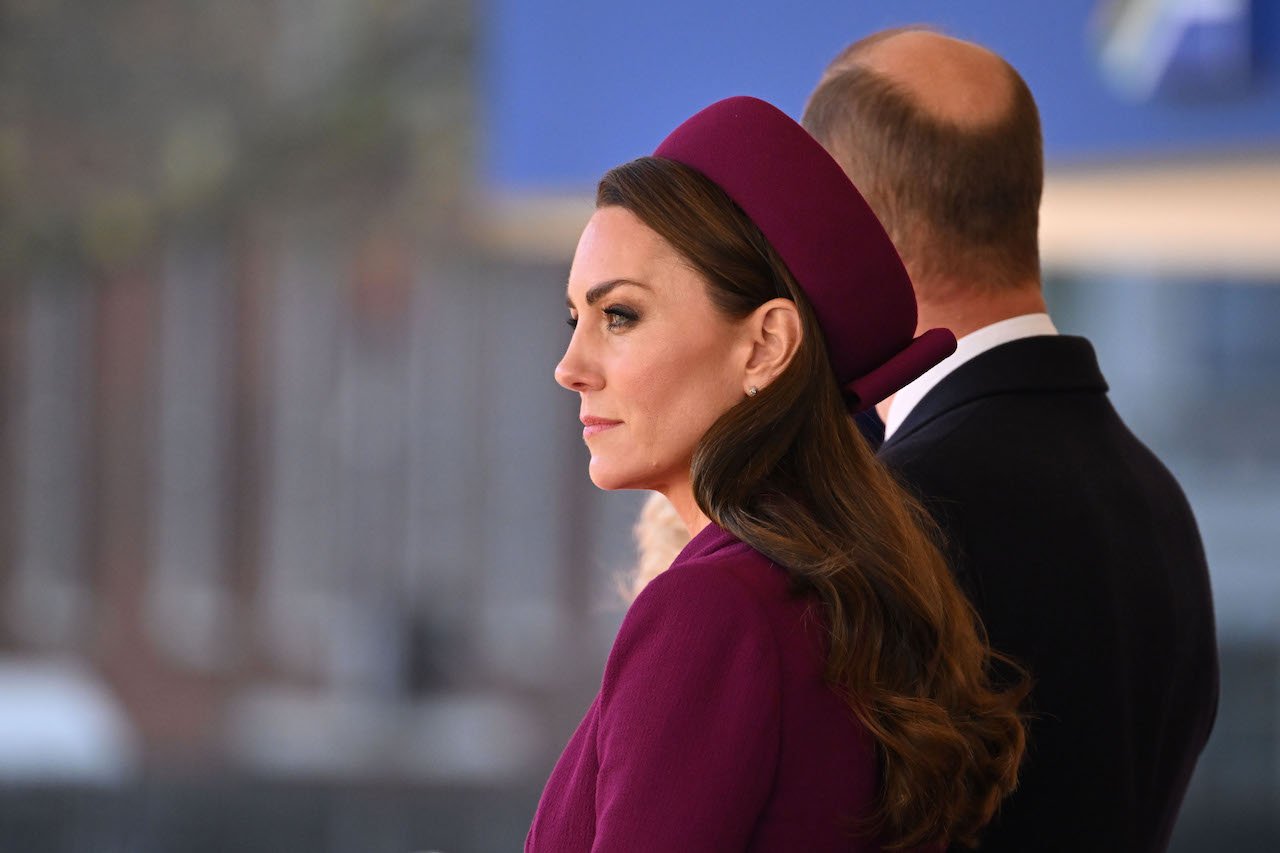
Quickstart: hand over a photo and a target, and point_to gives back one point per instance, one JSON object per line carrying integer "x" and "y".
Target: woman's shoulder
{"x": 729, "y": 584}
{"x": 694, "y": 617}
{"x": 728, "y": 572}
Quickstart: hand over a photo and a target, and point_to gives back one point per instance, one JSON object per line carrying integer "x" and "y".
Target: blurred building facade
{"x": 297, "y": 547}
{"x": 284, "y": 497}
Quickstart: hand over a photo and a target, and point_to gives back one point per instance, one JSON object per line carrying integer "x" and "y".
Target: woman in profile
{"x": 806, "y": 676}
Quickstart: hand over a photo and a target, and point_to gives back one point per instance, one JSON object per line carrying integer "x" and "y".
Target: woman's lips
{"x": 592, "y": 425}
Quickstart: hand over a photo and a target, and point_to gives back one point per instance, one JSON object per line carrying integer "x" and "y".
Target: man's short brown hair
{"x": 962, "y": 204}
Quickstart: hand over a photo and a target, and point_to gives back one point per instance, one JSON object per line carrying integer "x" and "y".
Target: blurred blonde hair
{"x": 660, "y": 535}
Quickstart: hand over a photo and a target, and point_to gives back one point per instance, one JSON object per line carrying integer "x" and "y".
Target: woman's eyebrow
{"x": 601, "y": 290}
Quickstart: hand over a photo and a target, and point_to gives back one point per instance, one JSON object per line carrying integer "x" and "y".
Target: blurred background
{"x": 297, "y": 545}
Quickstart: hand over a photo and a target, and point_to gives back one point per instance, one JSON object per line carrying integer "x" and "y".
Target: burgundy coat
{"x": 713, "y": 729}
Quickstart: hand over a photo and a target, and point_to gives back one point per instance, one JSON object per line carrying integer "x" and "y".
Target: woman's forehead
{"x": 616, "y": 245}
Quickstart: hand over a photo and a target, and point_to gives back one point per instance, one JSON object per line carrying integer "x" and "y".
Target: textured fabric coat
{"x": 713, "y": 729}
{"x": 1084, "y": 561}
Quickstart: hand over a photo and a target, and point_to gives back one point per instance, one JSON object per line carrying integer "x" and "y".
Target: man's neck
{"x": 964, "y": 311}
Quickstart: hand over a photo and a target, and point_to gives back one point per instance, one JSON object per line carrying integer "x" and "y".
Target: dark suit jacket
{"x": 1083, "y": 558}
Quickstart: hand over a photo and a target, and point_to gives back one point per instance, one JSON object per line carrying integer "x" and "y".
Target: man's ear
{"x": 775, "y": 331}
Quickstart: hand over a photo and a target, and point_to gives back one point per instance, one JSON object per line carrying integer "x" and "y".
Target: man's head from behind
{"x": 943, "y": 139}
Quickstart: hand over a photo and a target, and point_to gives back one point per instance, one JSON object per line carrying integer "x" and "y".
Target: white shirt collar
{"x": 969, "y": 347}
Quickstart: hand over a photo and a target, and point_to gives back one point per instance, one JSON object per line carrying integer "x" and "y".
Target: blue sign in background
{"x": 573, "y": 88}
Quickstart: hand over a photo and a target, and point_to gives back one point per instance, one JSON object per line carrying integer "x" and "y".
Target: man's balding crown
{"x": 950, "y": 80}
{"x": 942, "y": 137}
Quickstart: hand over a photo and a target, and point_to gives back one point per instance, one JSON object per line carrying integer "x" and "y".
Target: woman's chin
{"x": 611, "y": 478}
{"x": 604, "y": 478}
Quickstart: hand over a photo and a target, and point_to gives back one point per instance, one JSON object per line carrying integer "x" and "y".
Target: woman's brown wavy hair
{"x": 787, "y": 472}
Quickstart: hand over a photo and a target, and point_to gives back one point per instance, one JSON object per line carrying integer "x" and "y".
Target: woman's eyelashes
{"x": 620, "y": 316}
{"x": 616, "y": 316}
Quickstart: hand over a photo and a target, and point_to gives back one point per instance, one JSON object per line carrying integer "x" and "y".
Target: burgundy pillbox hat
{"x": 814, "y": 217}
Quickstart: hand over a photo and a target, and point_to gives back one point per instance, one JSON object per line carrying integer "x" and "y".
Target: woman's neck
{"x": 687, "y": 508}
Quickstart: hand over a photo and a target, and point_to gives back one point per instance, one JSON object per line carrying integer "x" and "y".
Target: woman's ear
{"x": 776, "y": 332}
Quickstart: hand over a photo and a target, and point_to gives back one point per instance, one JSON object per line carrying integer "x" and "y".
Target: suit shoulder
{"x": 941, "y": 457}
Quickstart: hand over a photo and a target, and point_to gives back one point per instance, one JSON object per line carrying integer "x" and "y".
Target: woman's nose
{"x": 575, "y": 371}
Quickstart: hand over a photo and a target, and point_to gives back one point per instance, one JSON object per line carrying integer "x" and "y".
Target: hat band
{"x": 907, "y": 366}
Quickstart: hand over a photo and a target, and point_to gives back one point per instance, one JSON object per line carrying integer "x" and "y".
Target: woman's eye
{"x": 620, "y": 317}
{"x": 573, "y": 322}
